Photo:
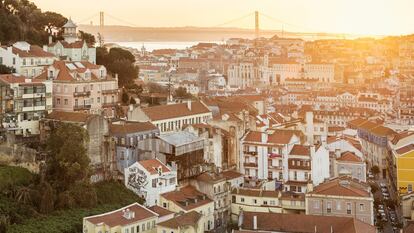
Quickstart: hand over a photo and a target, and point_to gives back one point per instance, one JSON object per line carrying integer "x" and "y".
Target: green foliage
{"x": 22, "y": 20}
{"x": 132, "y": 101}
{"x": 115, "y": 193}
{"x": 181, "y": 92}
{"x": 89, "y": 38}
{"x": 156, "y": 88}
{"x": 125, "y": 97}
{"x": 375, "y": 170}
{"x": 6, "y": 70}
{"x": 14, "y": 176}
{"x": 118, "y": 61}
{"x": 67, "y": 161}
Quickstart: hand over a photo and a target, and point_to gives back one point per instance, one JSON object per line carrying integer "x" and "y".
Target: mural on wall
{"x": 137, "y": 179}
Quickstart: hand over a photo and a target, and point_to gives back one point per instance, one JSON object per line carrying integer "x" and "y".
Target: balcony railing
{"x": 250, "y": 165}
{"x": 112, "y": 91}
{"x": 108, "y": 105}
{"x": 250, "y": 152}
{"x": 81, "y": 93}
{"x": 82, "y": 107}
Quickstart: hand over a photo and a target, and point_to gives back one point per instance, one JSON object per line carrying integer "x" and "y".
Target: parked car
{"x": 383, "y": 185}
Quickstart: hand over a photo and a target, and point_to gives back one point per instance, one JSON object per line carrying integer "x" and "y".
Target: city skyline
{"x": 354, "y": 17}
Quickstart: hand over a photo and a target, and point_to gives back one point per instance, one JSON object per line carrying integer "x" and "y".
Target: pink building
{"x": 82, "y": 86}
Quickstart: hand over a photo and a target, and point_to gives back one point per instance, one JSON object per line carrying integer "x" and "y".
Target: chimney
{"x": 189, "y": 105}
{"x": 255, "y": 222}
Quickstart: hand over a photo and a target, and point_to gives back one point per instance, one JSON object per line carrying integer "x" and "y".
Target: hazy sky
{"x": 343, "y": 16}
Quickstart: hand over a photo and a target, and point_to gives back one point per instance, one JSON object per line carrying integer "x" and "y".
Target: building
{"x": 189, "y": 222}
{"x": 71, "y": 48}
{"x": 407, "y": 205}
{"x": 351, "y": 165}
{"x": 129, "y": 219}
{"x": 187, "y": 199}
{"x": 404, "y": 168}
{"x": 82, "y": 86}
{"x": 98, "y": 147}
{"x": 27, "y": 60}
{"x": 127, "y": 136}
{"x": 172, "y": 117}
{"x": 342, "y": 197}
{"x": 149, "y": 179}
{"x": 24, "y": 102}
{"x": 217, "y": 189}
{"x": 292, "y": 223}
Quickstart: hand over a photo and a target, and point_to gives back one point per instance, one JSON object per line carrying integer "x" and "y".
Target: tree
{"x": 53, "y": 22}
{"x": 89, "y": 38}
{"x": 156, "y": 88}
{"x": 132, "y": 100}
{"x": 47, "y": 198}
{"x": 125, "y": 97}
{"x": 6, "y": 70}
{"x": 181, "y": 92}
{"x": 67, "y": 161}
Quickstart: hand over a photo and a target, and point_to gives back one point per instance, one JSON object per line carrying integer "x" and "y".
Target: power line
{"x": 87, "y": 19}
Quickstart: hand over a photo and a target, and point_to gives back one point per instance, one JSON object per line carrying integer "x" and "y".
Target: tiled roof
{"x": 12, "y": 78}
{"x": 186, "y": 196}
{"x": 349, "y": 157}
{"x": 300, "y": 150}
{"x": 152, "y": 165}
{"x": 69, "y": 116}
{"x": 131, "y": 127}
{"x": 160, "y": 211}
{"x": 209, "y": 177}
{"x": 187, "y": 219}
{"x": 405, "y": 149}
{"x": 275, "y": 138}
{"x": 277, "y": 222}
{"x": 399, "y": 136}
{"x": 231, "y": 174}
{"x": 162, "y": 112}
{"x": 341, "y": 186}
{"x": 116, "y": 218}
{"x": 34, "y": 51}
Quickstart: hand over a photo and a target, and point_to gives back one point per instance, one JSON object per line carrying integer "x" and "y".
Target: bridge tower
{"x": 101, "y": 19}
{"x": 256, "y": 24}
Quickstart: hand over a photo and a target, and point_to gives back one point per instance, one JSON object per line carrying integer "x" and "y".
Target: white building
{"x": 72, "y": 48}
{"x": 28, "y": 60}
{"x": 149, "y": 179}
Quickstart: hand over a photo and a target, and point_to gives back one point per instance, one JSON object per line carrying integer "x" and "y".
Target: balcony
{"x": 250, "y": 152}
{"x": 82, "y": 107}
{"x": 113, "y": 91}
{"x": 109, "y": 105}
{"x": 252, "y": 165}
{"x": 81, "y": 93}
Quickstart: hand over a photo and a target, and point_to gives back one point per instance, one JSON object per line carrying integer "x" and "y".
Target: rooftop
{"x": 187, "y": 198}
{"x": 131, "y": 127}
{"x": 187, "y": 219}
{"x": 162, "y": 112}
{"x": 342, "y": 186}
{"x": 179, "y": 138}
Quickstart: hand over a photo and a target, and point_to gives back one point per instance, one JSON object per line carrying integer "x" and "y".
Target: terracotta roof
{"x": 231, "y": 174}
{"x": 131, "y": 127}
{"x": 160, "y": 211}
{"x": 12, "y": 78}
{"x": 187, "y": 198}
{"x": 34, "y": 51}
{"x": 342, "y": 186}
{"x": 300, "y": 150}
{"x": 209, "y": 177}
{"x": 409, "y": 228}
{"x": 405, "y": 149}
{"x": 382, "y": 131}
{"x": 69, "y": 116}
{"x": 151, "y": 165}
{"x": 162, "y": 112}
{"x": 187, "y": 219}
{"x": 275, "y": 138}
{"x": 277, "y": 222}
{"x": 116, "y": 218}
{"x": 349, "y": 157}
{"x": 399, "y": 136}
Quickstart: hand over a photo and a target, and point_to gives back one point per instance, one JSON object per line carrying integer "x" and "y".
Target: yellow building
{"x": 404, "y": 162}
{"x": 185, "y": 223}
{"x": 134, "y": 218}
{"x": 187, "y": 199}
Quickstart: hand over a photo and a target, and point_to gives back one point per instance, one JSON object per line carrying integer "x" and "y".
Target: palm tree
{"x": 23, "y": 195}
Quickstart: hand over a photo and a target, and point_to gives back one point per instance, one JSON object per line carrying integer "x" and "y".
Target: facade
{"x": 27, "y": 60}
{"x": 24, "y": 102}
{"x": 127, "y": 136}
{"x": 351, "y": 165}
{"x": 185, "y": 223}
{"x": 149, "y": 179}
{"x": 342, "y": 197}
{"x": 72, "y": 48}
{"x": 187, "y": 199}
{"x": 82, "y": 86}
{"x": 172, "y": 117}
{"x": 129, "y": 219}
{"x": 404, "y": 168}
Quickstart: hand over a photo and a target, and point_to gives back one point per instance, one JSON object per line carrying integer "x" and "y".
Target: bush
{"x": 14, "y": 176}
{"x": 115, "y": 193}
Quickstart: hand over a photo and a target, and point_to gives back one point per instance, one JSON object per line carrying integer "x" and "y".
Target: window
{"x": 137, "y": 228}
{"x": 66, "y": 101}
{"x": 58, "y": 101}
{"x": 361, "y": 207}
{"x": 264, "y": 202}
{"x": 14, "y": 61}
{"x": 316, "y": 204}
{"x": 295, "y": 175}
{"x": 348, "y": 208}
{"x": 143, "y": 227}
{"x": 132, "y": 230}
{"x": 254, "y": 201}
{"x": 233, "y": 199}
{"x": 1, "y": 61}
{"x": 154, "y": 183}
{"x": 242, "y": 199}
{"x": 126, "y": 230}
{"x": 164, "y": 205}
{"x": 328, "y": 207}
{"x": 338, "y": 205}
{"x": 272, "y": 202}
{"x": 98, "y": 100}
{"x": 148, "y": 225}
{"x": 410, "y": 188}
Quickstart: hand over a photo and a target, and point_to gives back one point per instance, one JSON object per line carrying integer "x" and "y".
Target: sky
{"x": 362, "y": 17}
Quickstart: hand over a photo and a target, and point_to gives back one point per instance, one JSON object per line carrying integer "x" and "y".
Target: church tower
{"x": 69, "y": 31}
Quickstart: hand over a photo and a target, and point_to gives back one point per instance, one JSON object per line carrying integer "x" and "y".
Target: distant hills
{"x": 125, "y": 33}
